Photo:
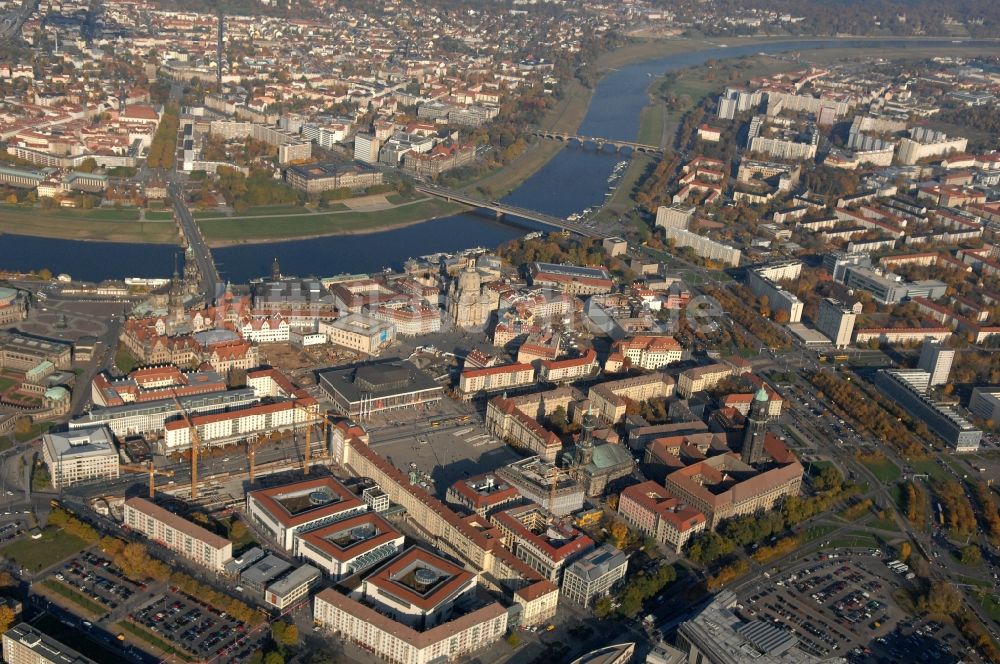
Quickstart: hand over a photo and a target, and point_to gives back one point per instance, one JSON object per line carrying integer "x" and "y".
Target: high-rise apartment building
{"x": 936, "y": 360}
{"x": 836, "y": 321}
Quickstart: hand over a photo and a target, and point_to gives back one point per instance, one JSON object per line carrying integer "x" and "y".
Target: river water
{"x": 576, "y": 178}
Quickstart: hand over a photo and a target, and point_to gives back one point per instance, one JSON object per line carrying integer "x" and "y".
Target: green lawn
{"x": 973, "y": 581}
{"x": 36, "y": 555}
{"x": 207, "y": 214}
{"x": 33, "y": 432}
{"x": 855, "y": 540}
{"x": 153, "y": 640}
{"x": 77, "y": 598}
{"x": 990, "y": 604}
{"x": 271, "y": 211}
{"x": 70, "y": 224}
{"x": 931, "y": 467}
{"x": 40, "y": 479}
{"x": 6, "y": 383}
{"x": 159, "y": 216}
{"x": 124, "y": 359}
{"x": 398, "y": 198}
{"x": 242, "y": 543}
{"x": 817, "y": 532}
{"x": 651, "y": 124}
{"x": 886, "y": 471}
{"x": 261, "y": 228}
{"x": 884, "y": 524}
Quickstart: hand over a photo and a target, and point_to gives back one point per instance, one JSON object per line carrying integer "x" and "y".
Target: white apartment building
{"x": 177, "y": 534}
{"x": 265, "y": 330}
{"x": 985, "y": 403}
{"x": 366, "y": 148}
{"x": 677, "y": 215}
{"x": 703, "y": 246}
{"x": 396, "y": 642}
{"x": 836, "y": 321}
{"x": 936, "y": 360}
{"x": 560, "y": 371}
{"x": 475, "y": 382}
{"x": 24, "y": 644}
{"x": 80, "y": 455}
{"x": 328, "y": 135}
{"x": 763, "y": 281}
{"x": 650, "y": 352}
{"x": 221, "y": 428}
{"x": 925, "y": 143}
{"x": 151, "y": 416}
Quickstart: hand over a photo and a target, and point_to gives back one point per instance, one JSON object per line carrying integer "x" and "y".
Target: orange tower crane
{"x": 195, "y": 445}
{"x": 253, "y": 444}
{"x": 314, "y": 419}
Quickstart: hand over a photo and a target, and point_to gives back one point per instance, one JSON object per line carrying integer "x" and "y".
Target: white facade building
{"x": 836, "y": 321}
{"x": 936, "y": 360}
{"x": 360, "y": 333}
{"x": 80, "y": 455}
{"x": 177, "y": 534}
{"x": 222, "y": 428}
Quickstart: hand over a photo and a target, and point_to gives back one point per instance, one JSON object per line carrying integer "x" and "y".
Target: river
{"x": 576, "y": 178}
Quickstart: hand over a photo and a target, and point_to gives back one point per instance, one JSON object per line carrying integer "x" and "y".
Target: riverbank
{"x": 99, "y": 225}
{"x": 225, "y": 232}
{"x": 566, "y": 116}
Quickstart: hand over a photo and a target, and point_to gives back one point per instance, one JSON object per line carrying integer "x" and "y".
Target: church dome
{"x": 468, "y": 281}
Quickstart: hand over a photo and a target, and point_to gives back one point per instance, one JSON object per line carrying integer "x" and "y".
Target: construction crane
{"x": 253, "y": 444}
{"x": 314, "y": 419}
{"x": 148, "y": 468}
{"x": 195, "y": 444}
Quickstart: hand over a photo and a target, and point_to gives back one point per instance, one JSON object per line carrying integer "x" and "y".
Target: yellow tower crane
{"x": 148, "y": 468}
{"x": 314, "y": 419}
{"x": 195, "y": 445}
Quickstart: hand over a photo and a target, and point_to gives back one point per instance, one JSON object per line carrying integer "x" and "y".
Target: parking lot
{"x": 98, "y": 579}
{"x": 842, "y": 605}
{"x": 200, "y": 629}
{"x": 9, "y": 531}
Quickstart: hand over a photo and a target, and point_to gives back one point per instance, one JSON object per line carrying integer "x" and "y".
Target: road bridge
{"x": 618, "y": 145}
{"x": 505, "y": 209}
{"x": 211, "y": 282}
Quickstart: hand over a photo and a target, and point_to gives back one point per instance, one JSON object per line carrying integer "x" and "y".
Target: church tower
{"x": 585, "y": 446}
{"x": 756, "y": 428}
{"x": 275, "y": 270}
{"x": 175, "y": 298}
{"x": 191, "y": 276}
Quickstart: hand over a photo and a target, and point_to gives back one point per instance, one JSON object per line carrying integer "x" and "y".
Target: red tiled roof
{"x": 383, "y": 578}
{"x": 317, "y": 538}
{"x": 267, "y": 498}
{"x": 589, "y": 358}
{"x": 578, "y": 543}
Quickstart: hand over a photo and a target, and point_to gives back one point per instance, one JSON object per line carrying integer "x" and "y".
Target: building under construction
{"x": 542, "y": 482}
